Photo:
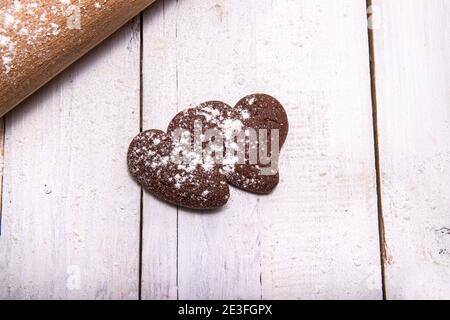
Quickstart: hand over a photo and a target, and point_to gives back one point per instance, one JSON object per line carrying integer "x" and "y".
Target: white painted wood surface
{"x": 70, "y": 224}
{"x": 70, "y": 218}
{"x": 218, "y": 254}
{"x": 159, "y": 91}
{"x": 316, "y": 236}
{"x": 319, "y": 227}
{"x": 412, "y": 54}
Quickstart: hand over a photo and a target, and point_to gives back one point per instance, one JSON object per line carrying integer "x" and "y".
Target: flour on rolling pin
{"x": 40, "y": 38}
{"x": 25, "y": 25}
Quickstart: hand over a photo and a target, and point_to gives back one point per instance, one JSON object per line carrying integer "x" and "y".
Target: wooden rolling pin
{"x": 40, "y": 38}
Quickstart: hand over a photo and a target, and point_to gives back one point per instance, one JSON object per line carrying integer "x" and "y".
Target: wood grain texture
{"x": 319, "y": 227}
{"x": 159, "y": 91}
{"x": 412, "y": 54}
{"x": 71, "y": 211}
{"x": 316, "y": 236}
{"x": 218, "y": 254}
{"x": 39, "y": 39}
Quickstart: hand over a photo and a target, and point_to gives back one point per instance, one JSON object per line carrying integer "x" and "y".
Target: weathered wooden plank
{"x": 412, "y": 54}
{"x": 219, "y": 255}
{"x": 316, "y": 236}
{"x": 160, "y": 103}
{"x": 319, "y": 227}
{"x": 191, "y": 56}
{"x": 71, "y": 211}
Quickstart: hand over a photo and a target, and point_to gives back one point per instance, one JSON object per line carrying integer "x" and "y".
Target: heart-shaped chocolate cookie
{"x": 209, "y": 145}
{"x": 171, "y": 171}
{"x": 252, "y": 134}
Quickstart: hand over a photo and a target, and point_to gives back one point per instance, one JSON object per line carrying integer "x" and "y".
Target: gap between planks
{"x": 373, "y": 86}
{"x": 141, "y": 110}
{"x": 141, "y": 129}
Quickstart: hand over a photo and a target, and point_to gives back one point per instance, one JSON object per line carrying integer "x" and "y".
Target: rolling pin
{"x": 40, "y": 38}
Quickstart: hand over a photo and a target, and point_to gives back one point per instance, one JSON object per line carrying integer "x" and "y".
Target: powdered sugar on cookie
{"x": 154, "y": 160}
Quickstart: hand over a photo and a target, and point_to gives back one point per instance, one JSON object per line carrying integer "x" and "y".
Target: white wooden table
{"x": 363, "y": 206}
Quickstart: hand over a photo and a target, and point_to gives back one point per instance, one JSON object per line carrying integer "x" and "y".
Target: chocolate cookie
{"x": 243, "y": 128}
{"x": 168, "y": 170}
{"x": 215, "y": 121}
{"x": 267, "y": 117}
